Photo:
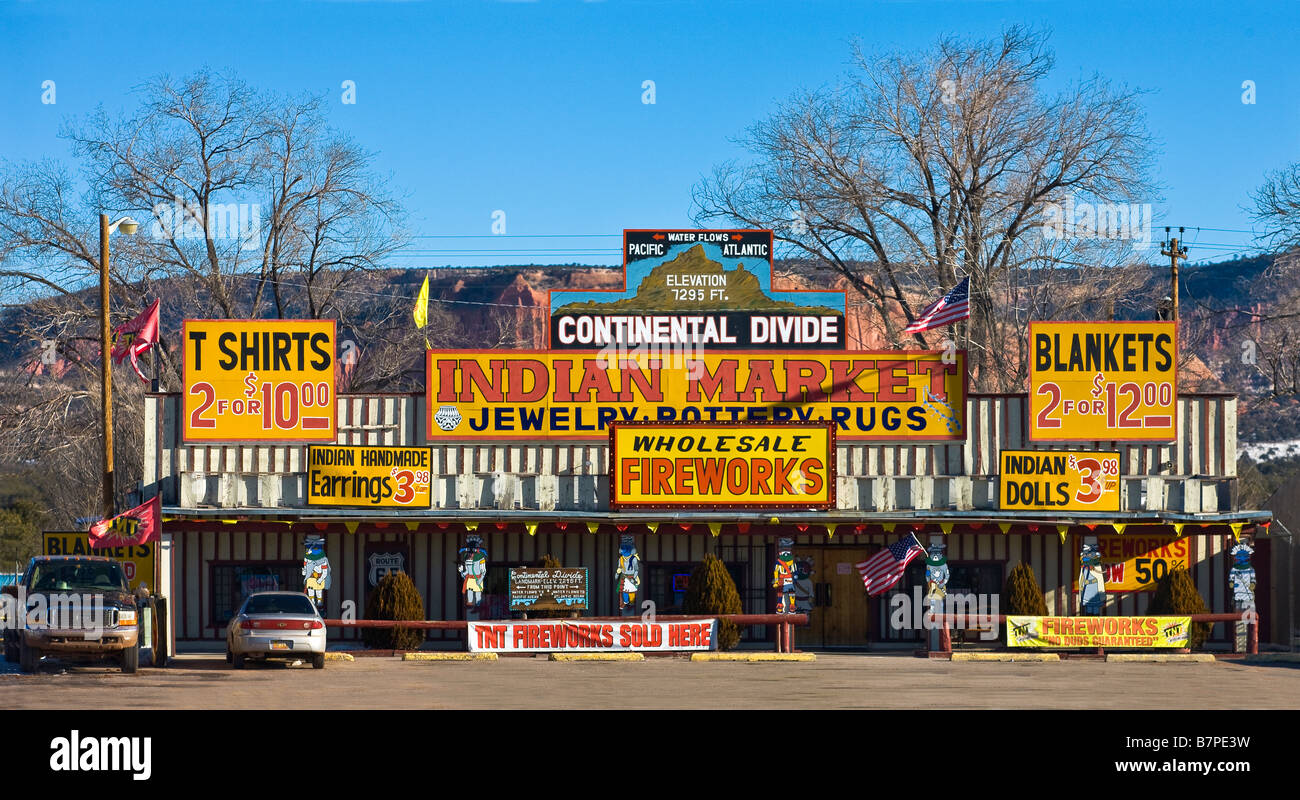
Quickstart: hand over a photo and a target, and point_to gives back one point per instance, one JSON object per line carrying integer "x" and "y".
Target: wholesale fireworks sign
{"x": 258, "y": 380}
{"x": 909, "y": 395}
{"x": 1056, "y": 480}
{"x": 576, "y": 636}
{"x": 1103, "y": 381}
{"x": 1098, "y": 631}
{"x": 702, "y": 465}
{"x": 368, "y": 477}
{"x": 1134, "y": 562}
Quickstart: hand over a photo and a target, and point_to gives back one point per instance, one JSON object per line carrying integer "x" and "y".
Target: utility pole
{"x": 106, "y": 371}
{"x": 1170, "y": 248}
{"x": 129, "y": 227}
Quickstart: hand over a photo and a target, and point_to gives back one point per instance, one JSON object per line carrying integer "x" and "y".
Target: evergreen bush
{"x": 1176, "y": 596}
{"x": 1022, "y": 594}
{"x": 712, "y": 591}
{"x": 394, "y": 598}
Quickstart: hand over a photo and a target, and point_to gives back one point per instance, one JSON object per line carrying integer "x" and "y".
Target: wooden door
{"x": 846, "y": 621}
{"x": 832, "y": 595}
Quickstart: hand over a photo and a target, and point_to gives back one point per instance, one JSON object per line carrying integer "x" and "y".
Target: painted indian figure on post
{"x": 627, "y": 576}
{"x": 316, "y": 570}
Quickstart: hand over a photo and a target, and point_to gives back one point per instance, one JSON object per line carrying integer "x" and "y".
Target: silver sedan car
{"x": 276, "y": 625}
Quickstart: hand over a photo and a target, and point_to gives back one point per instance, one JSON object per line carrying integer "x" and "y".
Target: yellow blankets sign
{"x": 689, "y": 465}
{"x": 1097, "y": 631}
{"x": 911, "y": 395}
{"x": 1103, "y": 381}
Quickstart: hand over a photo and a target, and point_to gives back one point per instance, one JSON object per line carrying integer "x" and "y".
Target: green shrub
{"x": 712, "y": 591}
{"x": 1022, "y": 594}
{"x": 1176, "y": 596}
{"x": 394, "y": 598}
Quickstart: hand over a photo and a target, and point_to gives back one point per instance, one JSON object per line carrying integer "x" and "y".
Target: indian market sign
{"x": 136, "y": 560}
{"x": 560, "y": 589}
{"x": 1103, "y": 381}
{"x": 704, "y": 465}
{"x": 712, "y": 288}
{"x": 258, "y": 380}
{"x": 1098, "y": 631}
{"x": 1133, "y": 562}
{"x": 577, "y": 636}
{"x": 911, "y": 395}
{"x": 1058, "y": 480}
{"x": 368, "y": 477}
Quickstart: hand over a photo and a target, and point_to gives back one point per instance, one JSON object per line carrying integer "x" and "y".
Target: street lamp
{"x": 129, "y": 227}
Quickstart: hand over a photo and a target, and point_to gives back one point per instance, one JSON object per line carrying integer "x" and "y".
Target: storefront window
{"x": 666, "y": 584}
{"x": 232, "y": 583}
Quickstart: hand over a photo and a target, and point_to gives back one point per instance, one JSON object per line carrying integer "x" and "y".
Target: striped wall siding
{"x": 573, "y": 476}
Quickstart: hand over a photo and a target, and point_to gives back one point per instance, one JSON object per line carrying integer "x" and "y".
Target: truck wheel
{"x": 131, "y": 659}
{"x": 29, "y": 659}
{"x": 318, "y": 661}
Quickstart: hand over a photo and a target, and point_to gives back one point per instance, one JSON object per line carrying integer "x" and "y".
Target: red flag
{"x": 137, "y": 526}
{"x": 135, "y": 337}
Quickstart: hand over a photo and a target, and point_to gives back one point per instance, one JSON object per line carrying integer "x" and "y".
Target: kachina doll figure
{"x": 936, "y": 577}
{"x": 805, "y": 589}
{"x": 1092, "y": 581}
{"x": 1242, "y": 577}
{"x": 627, "y": 576}
{"x": 471, "y": 564}
{"x": 783, "y": 575}
{"x": 316, "y": 570}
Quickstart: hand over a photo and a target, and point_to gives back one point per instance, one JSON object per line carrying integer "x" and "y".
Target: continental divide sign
{"x": 713, "y": 288}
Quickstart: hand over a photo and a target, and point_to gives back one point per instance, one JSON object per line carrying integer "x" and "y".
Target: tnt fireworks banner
{"x": 575, "y": 636}
{"x": 912, "y": 395}
{"x": 1098, "y": 631}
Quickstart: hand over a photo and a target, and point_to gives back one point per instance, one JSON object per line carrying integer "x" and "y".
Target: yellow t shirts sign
{"x": 258, "y": 380}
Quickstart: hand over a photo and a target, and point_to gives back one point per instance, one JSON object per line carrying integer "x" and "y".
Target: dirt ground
{"x": 833, "y": 682}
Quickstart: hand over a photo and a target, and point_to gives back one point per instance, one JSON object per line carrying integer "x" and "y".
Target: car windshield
{"x": 279, "y": 604}
{"x": 103, "y": 576}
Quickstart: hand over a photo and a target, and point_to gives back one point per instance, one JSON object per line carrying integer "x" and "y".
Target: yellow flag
{"x": 421, "y": 312}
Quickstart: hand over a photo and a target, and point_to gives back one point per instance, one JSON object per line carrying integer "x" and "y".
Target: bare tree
{"x": 923, "y": 168}
{"x": 1276, "y": 320}
{"x": 250, "y": 205}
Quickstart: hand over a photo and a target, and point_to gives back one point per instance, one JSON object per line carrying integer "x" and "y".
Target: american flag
{"x": 946, "y": 310}
{"x": 884, "y": 569}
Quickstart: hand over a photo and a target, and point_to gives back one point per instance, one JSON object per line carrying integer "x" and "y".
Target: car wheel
{"x": 228, "y": 652}
{"x": 237, "y": 660}
{"x": 29, "y": 659}
{"x": 318, "y": 661}
{"x": 131, "y": 659}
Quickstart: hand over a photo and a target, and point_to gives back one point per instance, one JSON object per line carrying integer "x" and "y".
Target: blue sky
{"x": 535, "y": 108}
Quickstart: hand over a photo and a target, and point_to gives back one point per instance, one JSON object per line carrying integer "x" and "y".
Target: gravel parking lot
{"x": 837, "y": 681}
